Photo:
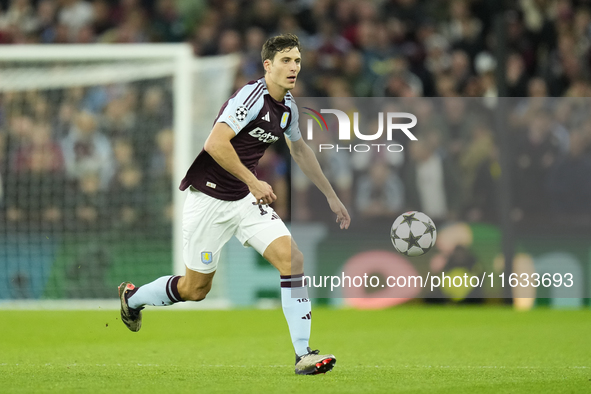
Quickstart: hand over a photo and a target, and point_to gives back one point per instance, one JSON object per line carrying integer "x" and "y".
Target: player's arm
{"x": 219, "y": 147}
{"x": 306, "y": 160}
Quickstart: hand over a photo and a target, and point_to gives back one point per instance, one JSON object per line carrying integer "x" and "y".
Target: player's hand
{"x": 342, "y": 214}
{"x": 263, "y": 192}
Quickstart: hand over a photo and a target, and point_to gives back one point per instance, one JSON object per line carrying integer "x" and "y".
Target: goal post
{"x": 198, "y": 87}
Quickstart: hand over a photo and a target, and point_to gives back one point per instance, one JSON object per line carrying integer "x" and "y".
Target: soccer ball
{"x": 413, "y": 233}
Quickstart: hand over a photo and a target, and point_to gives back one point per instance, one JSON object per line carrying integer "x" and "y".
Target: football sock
{"x": 297, "y": 310}
{"x": 162, "y": 292}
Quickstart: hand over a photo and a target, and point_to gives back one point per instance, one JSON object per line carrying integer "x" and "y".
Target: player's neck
{"x": 275, "y": 91}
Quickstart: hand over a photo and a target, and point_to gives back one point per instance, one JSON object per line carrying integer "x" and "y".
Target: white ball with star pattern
{"x": 241, "y": 113}
{"x": 413, "y": 233}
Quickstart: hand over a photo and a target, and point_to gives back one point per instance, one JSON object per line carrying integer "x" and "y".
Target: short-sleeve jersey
{"x": 258, "y": 121}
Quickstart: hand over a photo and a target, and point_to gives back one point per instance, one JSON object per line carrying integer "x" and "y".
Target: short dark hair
{"x": 277, "y": 44}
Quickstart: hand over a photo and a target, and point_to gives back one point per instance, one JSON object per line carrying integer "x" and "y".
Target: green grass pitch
{"x": 401, "y": 350}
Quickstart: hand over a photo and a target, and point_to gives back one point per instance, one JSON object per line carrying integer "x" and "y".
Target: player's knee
{"x": 292, "y": 263}
{"x": 297, "y": 261}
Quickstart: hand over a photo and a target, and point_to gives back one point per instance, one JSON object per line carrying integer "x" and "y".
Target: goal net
{"x": 93, "y": 142}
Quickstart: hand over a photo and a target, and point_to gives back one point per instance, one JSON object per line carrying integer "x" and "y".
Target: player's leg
{"x": 164, "y": 291}
{"x": 202, "y": 246}
{"x": 262, "y": 229}
{"x": 283, "y": 254}
{"x": 171, "y": 289}
{"x": 161, "y": 292}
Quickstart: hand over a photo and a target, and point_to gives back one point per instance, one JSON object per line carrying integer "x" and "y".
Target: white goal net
{"x": 93, "y": 143}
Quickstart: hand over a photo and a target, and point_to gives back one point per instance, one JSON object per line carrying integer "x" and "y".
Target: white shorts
{"x": 208, "y": 223}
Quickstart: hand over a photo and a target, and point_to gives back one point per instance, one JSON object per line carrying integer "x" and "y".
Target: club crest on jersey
{"x": 206, "y": 257}
{"x": 284, "y": 119}
{"x": 241, "y": 113}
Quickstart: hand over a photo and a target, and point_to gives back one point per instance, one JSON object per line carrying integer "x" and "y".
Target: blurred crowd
{"x": 108, "y": 144}
{"x": 351, "y": 47}
{"x": 87, "y": 159}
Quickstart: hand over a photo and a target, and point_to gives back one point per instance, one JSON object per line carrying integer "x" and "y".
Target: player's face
{"x": 284, "y": 69}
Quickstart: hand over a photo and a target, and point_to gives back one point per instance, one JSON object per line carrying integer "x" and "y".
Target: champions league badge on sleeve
{"x": 206, "y": 257}
{"x": 241, "y": 113}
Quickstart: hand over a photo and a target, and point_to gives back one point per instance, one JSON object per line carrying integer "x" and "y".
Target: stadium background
{"x": 86, "y": 196}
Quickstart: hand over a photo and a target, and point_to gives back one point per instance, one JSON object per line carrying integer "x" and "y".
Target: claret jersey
{"x": 258, "y": 121}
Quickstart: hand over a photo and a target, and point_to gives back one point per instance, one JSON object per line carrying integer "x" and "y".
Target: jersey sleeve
{"x": 243, "y": 107}
{"x": 293, "y": 131}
